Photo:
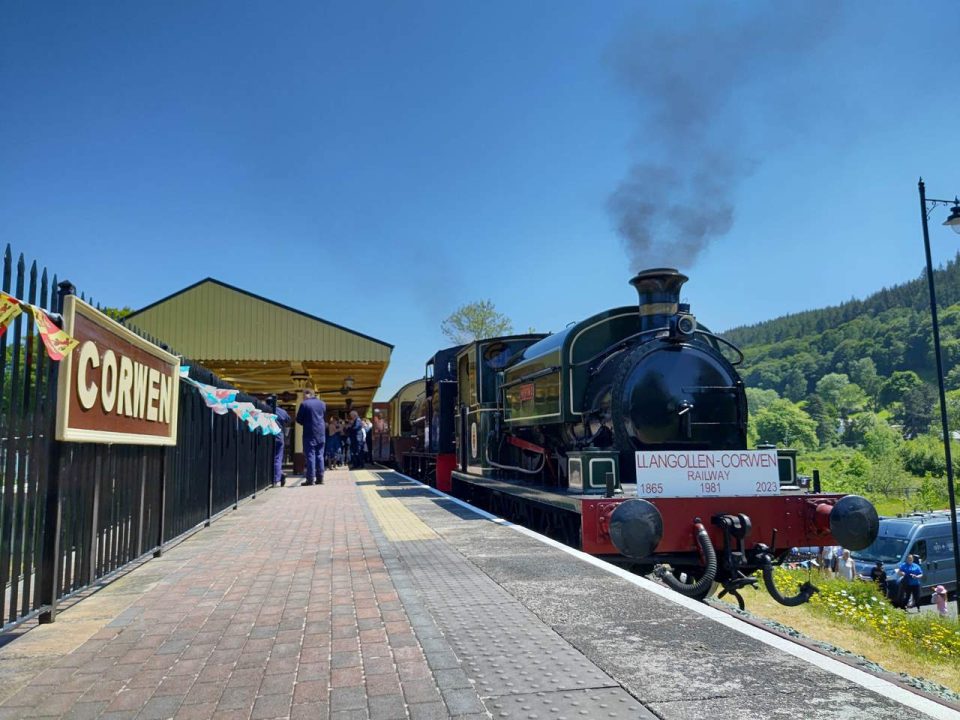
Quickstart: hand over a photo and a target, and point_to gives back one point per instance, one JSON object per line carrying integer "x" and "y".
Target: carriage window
{"x": 405, "y": 408}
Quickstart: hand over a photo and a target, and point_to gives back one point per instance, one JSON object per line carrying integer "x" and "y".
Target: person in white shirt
{"x": 848, "y": 568}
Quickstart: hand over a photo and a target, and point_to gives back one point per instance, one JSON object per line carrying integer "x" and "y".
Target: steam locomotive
{"x": 625, "y": 435}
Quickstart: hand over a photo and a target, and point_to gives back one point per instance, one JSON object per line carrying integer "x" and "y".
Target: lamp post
{"x": 926, "y": 207}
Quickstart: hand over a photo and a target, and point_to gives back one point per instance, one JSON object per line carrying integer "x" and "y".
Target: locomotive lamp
{"x": 927, "y": 206}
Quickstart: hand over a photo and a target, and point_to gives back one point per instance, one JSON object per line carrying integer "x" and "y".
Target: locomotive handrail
{"x": 725, "y": 342}
{"x": 621, "y": 344}
{"x": 543, "y": 459}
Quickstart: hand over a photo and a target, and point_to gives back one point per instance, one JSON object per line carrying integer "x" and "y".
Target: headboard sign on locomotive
{"x": 115, "y": 387}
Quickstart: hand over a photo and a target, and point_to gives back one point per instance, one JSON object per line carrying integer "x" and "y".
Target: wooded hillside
{"x": 891, "y": 327}
{"x": 854, "y": 387}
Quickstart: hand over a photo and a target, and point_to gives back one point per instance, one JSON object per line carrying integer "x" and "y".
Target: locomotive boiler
{"x": 627, "y": 379}
{"x": 625, "y": 435}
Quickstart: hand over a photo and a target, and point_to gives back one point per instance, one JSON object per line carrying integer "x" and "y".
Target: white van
{"x": 927, "y": 537}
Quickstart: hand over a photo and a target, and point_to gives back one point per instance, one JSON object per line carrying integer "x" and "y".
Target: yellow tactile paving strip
{"x": 397, "y": 523}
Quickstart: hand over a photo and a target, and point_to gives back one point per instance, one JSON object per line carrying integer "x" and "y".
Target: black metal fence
{"x": 70, "y": 513}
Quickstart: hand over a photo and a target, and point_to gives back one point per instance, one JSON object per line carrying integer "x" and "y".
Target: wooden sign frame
{"x": 144, "y": 381}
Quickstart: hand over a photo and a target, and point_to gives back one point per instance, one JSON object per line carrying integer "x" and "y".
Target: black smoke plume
{"x": 704, "y": 82}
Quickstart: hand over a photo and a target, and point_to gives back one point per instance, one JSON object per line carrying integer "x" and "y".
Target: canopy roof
{"x": 265, "y": 347}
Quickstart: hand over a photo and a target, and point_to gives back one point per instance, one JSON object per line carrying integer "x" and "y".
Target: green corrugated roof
{"x": 214, "y": 320}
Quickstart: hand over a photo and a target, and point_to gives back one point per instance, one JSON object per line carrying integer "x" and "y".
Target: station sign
{"x": 707, "y": 473}
{"x": 115, "y": 387}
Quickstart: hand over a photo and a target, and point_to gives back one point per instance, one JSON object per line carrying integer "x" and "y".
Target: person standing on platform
{"x": 334, "y": 428}
{"x": 368, "y": 440}
{"x": 283, "y": 420}
{"x": 355, "y": 432}
{"x": 311, "y": 416}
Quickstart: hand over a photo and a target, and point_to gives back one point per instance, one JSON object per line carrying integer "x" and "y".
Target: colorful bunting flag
{"x": 217, "y": 399}
{"x": 57, "y": 342}
{"x": 9, "y": 309}
{"x": 224, "y": 401}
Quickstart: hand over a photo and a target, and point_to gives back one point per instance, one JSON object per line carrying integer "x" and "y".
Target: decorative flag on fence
{"x": 9, "y": 309}
{"x": 223, "y": 401}
{"x": 57, "y": 342}
{"x": 216, "y": 398}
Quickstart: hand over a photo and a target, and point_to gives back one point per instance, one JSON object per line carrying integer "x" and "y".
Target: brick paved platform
{"x": 368, "y": 597}
{"x": 283, "y": 608}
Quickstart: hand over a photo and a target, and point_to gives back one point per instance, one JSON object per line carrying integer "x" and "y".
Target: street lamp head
{"x": 954, "y": 219}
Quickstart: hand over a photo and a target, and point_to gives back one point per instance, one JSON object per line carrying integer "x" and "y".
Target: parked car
{"x": 926, "y": 536}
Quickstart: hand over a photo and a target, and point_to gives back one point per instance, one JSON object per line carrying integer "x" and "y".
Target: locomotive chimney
{"x": 659, "y": 291}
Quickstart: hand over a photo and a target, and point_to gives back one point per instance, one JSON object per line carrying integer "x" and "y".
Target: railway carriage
{"x": 402, "y": 434}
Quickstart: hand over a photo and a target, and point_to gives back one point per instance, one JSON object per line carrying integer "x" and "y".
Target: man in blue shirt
{"x": 310, "y": 415}
{"x": 910, "y": 574}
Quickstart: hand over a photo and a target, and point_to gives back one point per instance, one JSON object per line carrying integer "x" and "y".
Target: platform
{"x": 373, "y": 597}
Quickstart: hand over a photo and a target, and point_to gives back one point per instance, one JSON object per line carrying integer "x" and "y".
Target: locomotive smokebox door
{"x": 587, "y": 471}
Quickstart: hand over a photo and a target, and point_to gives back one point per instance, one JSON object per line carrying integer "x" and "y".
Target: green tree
{"x": 933, "y": 493}
{"x": 826, "y": 422}
{"x": 952, "y": 380}
{"x": 795, "y": 385}
{"x": 842, "y": 395}
{"x": 475, "y": 321}
{"x": 785, "y": 424}
{"x": 872, "y": 433}
{"x": 953, "y": 410}
{"x": 758, "y": 399}
{"x": 924, "y": 456}
{"x": 117, "y": 314}
{"x": 897, "y": 386}
{"x": 917, "y": 412}
{"x": 849, "y": 474}
{"x": 864, "y": 373}
{"x": 888, "y": 477}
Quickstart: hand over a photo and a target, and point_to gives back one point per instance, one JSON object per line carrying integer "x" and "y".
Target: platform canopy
{"x": 264, "y": 347}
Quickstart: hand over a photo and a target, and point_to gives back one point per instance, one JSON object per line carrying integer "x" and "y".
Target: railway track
{"x": 914, "y": 693}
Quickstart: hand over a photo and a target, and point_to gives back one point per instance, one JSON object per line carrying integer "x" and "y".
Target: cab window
{"x": 919, "y": 550}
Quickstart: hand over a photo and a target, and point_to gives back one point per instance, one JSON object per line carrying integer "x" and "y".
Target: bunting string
{"x": 222, "y": 401}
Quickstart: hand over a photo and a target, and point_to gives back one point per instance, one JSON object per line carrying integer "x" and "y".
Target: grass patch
{"x": 854, "y": 616}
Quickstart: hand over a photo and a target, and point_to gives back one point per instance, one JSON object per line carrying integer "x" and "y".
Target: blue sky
{"x": 380, "y": 163}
